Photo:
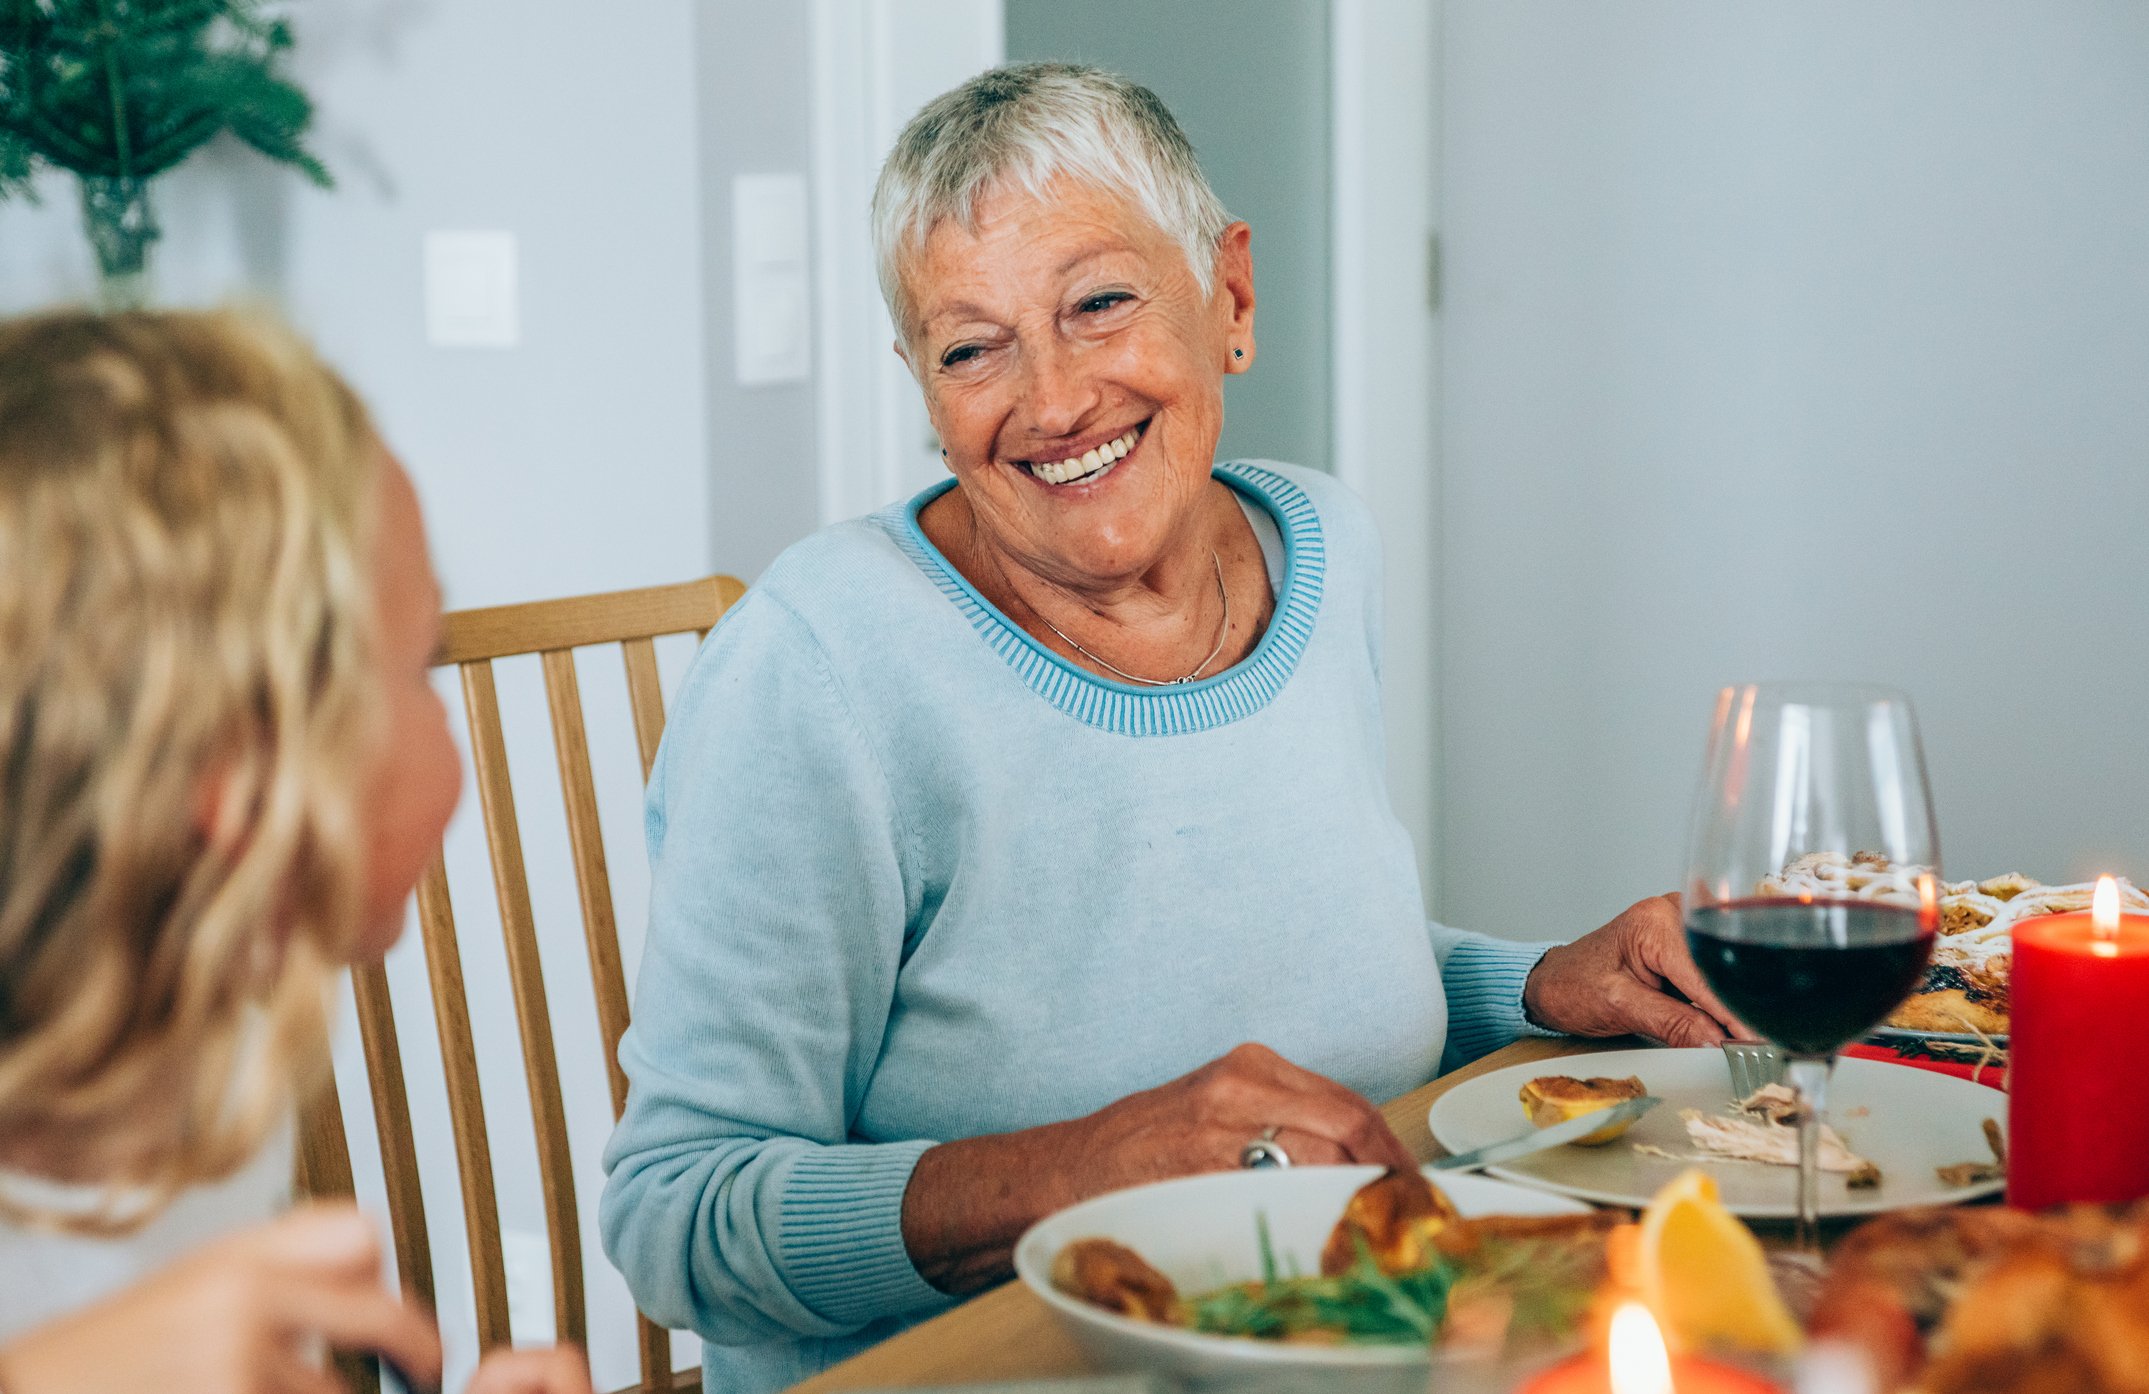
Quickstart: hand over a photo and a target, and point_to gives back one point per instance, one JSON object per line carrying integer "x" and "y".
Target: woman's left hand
{"x": 1636, "y": 977}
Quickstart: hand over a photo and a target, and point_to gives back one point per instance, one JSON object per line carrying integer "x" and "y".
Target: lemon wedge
{"x": 1704, "y": 1275}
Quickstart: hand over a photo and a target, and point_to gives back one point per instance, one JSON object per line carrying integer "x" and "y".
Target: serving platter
{"x": 1905, "y": 1120}
{"x": 1900, "y": 1035}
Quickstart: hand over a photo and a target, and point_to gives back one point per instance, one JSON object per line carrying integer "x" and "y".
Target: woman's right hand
{"x": 969, "y": 1201}
{"x": 1201, "y": 1121}
{"x": 246, "y": 1315}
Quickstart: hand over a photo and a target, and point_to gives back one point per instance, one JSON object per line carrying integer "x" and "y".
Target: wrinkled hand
{"x": 559, "y": 1370}
{"x": 969, "y": 1200}
{"x": 246, "y": 1315}
{"x": 1200, "y": 1121}
{"x": 1621, "y": 980}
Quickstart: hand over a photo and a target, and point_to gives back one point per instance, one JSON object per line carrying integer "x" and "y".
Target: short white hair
{"x": 1023, "y": 126}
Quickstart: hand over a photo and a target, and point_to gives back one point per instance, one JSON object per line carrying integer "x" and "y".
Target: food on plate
{"x": 1960, "y": 1174}
{"x": 1412, "y": 1271}
{"x": 1118, "y": 1279}
{"x": 1394, "y": 1219}
{"x": 1996, "y": 1301}
{"x": 1764, "y": 1128}
{"x": 1966, "y": 985}
{"x": 1554, "y": 1099}
{"x": 1957, "y": 1175}
{"x": 1703, "y": 1273}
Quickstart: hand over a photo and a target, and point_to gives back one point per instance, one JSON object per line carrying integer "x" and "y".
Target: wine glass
{"x": 1811, "y": 893}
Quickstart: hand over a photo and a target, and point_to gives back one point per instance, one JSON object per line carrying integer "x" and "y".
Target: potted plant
{"x": 116, "y": 92}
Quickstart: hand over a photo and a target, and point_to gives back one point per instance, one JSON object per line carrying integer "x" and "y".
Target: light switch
{"x": 771, "y": 309}
{"x": 470, "y": 292}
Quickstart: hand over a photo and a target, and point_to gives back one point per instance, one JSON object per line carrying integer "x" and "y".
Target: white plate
{"x": 1906, "y": 1121}
{"x": 1200, "y": 1232}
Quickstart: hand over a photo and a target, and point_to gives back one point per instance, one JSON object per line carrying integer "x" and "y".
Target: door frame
{"x": 875, "y": 62}
{"x": 1384, "y": 360}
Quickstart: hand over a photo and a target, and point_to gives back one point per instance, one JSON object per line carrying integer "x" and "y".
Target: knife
{"x": 1539, "y": 1139}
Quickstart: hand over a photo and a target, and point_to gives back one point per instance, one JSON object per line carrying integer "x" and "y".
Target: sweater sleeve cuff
{"x": 1483, "y": 978}
{"x": 842, "y": 1233}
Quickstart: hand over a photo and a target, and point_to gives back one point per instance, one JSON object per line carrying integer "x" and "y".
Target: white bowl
{"x": 1200, "y": 1232}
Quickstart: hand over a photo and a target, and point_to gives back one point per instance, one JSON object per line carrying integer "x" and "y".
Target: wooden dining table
{"x": 1007, "y": 1334}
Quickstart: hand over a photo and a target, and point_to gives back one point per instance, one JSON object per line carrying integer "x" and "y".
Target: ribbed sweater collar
{"x": 1237, "y": 692}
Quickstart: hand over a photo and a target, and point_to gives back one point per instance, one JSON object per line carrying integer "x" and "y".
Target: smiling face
{"x": 1074, "y": 370}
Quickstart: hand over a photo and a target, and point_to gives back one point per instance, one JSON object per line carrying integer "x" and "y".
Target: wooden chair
{"x": 553, "y": 630}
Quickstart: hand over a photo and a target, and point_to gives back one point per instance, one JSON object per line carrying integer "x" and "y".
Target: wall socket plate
{"x": 771, "y": 303}
{"x": 471, "y": 290}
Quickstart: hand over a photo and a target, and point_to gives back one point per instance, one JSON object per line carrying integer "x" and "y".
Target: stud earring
{"x": 1238, "y": 353}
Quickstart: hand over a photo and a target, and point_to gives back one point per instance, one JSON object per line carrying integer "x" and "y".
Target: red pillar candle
{"x": 2077, "y": 1114}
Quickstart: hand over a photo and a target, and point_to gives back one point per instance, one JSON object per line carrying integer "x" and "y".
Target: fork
{"x": 1754, "y": 1065}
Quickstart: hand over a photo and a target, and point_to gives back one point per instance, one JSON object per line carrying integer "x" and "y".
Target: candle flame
{"x": 1928, "y": 901}
{"x": 2104, "y": 909}
{"x": 1640, "y": 1364}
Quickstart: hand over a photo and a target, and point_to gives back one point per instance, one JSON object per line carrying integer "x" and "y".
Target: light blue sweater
{"x": 916, "y": 878}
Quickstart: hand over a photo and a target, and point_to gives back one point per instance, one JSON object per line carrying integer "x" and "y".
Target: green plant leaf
{"x": 16, "y": 169}
{"x": 132, "y": 88}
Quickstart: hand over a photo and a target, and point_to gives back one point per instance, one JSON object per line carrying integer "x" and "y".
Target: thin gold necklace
{"x": 1223, "y": 631}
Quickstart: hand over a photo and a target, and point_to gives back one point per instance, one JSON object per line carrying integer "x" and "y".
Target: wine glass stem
{"x": 1809, "y": 1076}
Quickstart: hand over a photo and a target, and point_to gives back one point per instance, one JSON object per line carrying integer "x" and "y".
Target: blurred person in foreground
{"x": 1030, "y": 839}
{"x": 222, "y": 769}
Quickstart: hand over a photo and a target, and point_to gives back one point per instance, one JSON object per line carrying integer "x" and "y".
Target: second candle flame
{"x": 2104, "y": 910}
{"x": 1640, "y": 1364}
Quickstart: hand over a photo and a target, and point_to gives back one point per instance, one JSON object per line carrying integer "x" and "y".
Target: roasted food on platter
{"x": 1973, "y": 1300}
{"x": 1966, "y": 986}
{"x": 1401, "y": 1267}
{"x": 1554, "y": 1099}
{"x": 1995, "y": 1301}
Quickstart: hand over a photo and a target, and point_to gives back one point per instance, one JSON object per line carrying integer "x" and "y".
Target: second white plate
{"x": 1906, "y": 1121}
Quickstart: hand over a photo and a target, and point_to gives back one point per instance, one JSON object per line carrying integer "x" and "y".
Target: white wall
{"x": 756, "y": 117}
{"x": 578, "y": 461}
{"x": 1789, "y": 340}
{"x": 564, "y": 465}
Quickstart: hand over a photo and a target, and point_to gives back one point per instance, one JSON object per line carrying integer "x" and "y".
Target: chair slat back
{"x": 324, "y": 1157}
{"x": 466, "y": 1107}
{"x": 399, "y": 1150}
{"x": 533, "y": 1016}
{"x": 472, "y": 640}
{"x": 647, "y": 697}
{"x": 585, "y": 838}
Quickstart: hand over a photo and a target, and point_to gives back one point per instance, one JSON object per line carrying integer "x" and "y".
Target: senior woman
{"x": 1030, "y": 839}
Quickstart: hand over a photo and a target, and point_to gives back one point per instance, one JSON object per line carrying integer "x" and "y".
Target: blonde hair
{"x": 187, "y": 701}
{"x": 1024, "y": 126}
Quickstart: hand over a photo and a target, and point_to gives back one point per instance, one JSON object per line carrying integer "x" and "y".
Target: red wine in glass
{"x": 1820, "y": 775}
{"x": 1811, "y": 976}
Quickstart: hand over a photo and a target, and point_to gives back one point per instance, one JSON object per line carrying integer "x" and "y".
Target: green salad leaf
{"x": 1547, "y": 1287}
{"x": 1359, "y": 1306}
